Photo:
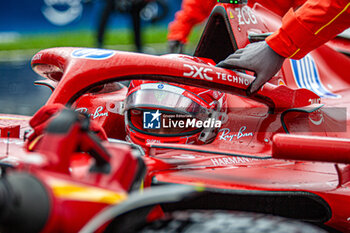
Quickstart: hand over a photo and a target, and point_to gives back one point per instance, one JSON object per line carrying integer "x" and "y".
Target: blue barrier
{"x": 38, "y": 16}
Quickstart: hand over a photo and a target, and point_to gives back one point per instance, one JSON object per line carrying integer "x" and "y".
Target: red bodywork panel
{"x": 310, "y": 97}
{"x": 77, "y": 182}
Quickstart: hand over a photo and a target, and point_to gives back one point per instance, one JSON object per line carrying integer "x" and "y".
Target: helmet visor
{"x": 166, "y": 100}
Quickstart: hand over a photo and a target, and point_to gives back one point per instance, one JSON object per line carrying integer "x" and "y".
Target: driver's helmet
{"x": 154, "y": 111}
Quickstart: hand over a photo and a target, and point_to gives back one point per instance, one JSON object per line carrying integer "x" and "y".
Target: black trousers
{"x": 134, "y": 11}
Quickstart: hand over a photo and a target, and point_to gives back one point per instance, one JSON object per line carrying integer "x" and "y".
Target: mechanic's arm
{"x": 192, "y": 12}
{"x": 313, "y": 24}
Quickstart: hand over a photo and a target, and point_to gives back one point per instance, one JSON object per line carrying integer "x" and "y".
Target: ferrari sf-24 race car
{"x": 283, "y": 151}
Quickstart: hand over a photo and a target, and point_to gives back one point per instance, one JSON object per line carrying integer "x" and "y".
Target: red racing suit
{"x": 313, "y": 24}
{"x": 303, "y": 30}
{"x": 192, "y": 13}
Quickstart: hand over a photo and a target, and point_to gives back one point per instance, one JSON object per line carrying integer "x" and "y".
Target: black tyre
{"x": 225, "y": 222}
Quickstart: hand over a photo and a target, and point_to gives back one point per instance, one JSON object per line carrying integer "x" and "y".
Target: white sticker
{"x": 246, "y": 16}
{"x": 94, "y": 54}
{"x": 306, "y": 76}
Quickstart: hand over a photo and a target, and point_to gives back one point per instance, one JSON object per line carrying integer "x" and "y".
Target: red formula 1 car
{"x": 283, "y": 151}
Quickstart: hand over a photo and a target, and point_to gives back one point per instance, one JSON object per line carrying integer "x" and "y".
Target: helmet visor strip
{"x": 166, "y": 100}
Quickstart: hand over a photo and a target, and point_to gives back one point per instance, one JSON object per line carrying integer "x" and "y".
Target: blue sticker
{"x": 160, "y": 86}
{"x": 151, "y": 120}
{"x": 306, "y": 76}
{"x": 95, "y": 54}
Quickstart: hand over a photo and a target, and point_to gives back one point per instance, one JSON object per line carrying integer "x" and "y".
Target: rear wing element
{"x": 78, "y": 69}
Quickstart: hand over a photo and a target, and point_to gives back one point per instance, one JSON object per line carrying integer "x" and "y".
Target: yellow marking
{"x": 281, "y": 82}
{"x": 14, "y": 118}
{"x": 34, "y": 142}
{"x": 72, "y": 191}
{"x": 200, "y": 188}
{"x": 142, "y": 186}
{"x": 345, "y": 8}
{"x": 294, "y": 53}
{"x": 231, "y": 15}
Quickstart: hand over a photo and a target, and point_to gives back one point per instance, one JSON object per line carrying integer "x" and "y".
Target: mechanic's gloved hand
{"x": 42, "y": 118}
{"x": 175, "y": 46}
{"x": 257, "y": 57}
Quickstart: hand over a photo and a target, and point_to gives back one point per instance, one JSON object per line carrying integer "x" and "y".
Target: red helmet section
{"x": 170, "y": 104}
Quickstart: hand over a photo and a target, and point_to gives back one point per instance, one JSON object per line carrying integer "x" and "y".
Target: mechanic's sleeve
{"x": 192, "y": 12}
{"x": 313, "y": 24}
